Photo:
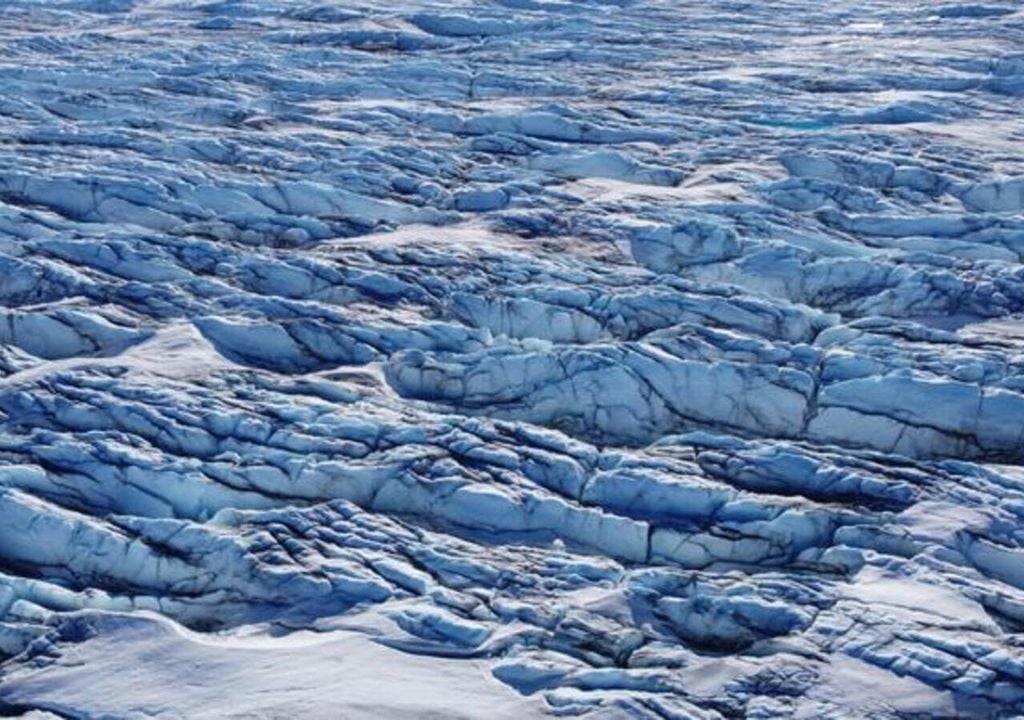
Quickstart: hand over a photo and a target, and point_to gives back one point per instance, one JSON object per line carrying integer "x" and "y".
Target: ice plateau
{"x": 511, "y": 359}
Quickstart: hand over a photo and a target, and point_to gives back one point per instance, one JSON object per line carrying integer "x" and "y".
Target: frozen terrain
{"x": 511, "y": 359}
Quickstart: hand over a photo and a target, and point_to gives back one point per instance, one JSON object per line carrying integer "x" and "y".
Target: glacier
{"x": 511, "y": 359}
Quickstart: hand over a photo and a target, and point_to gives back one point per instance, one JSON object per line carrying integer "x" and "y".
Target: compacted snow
{"x": 506, "y": 359}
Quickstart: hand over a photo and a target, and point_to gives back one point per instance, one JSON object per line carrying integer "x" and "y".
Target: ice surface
{"x": 523, "y": 358}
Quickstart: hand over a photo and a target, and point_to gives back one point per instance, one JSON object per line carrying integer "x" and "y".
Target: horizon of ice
{"x": 511, "y": 358}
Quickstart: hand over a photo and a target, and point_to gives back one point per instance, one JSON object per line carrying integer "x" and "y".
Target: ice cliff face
{"x": 509, "y": 359}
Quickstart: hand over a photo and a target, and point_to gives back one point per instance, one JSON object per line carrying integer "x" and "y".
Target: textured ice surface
{"x": 598, "y": 358}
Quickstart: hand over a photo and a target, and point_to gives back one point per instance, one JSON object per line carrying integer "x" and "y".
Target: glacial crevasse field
{"x": 511, "y": 359}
